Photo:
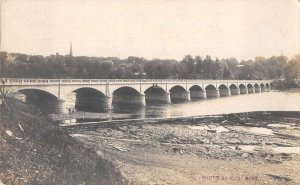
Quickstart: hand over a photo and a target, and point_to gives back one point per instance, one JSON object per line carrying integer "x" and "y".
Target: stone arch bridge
{"x": 103, "y": 93}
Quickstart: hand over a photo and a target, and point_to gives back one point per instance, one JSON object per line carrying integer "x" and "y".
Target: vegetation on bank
{"x": 190, "y": 67}
{"x": 35, "y": 151}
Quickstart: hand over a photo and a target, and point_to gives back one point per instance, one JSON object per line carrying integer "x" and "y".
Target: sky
{"x": 162, "y": 29}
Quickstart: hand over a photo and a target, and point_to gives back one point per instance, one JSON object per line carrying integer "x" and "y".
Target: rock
{"x": 206, "y": 141}
{"x": 237, "y": 148}
{"x": 177, "y": 150}
{"x": 245, "y": 155}
{"x": 21, "y": 127}
{"x": 212, "y": 131}
{"x": 224, "y": 121}
{"x": 9, "y": 133}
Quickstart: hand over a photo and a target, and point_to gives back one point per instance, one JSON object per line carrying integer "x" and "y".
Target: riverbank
{"x": 33, "y": 150}
{"x": 245, "y": 148}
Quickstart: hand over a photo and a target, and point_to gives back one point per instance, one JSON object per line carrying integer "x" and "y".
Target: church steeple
{"x": 71, "y": 50}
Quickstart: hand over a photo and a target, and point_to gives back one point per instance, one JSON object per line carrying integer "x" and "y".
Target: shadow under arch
{"x": 234, "y": 89}
{"x": 250, "y": 88}
{"x": 89, "y": 99}
{"x": 179, "y": 94}
{"x": 127, "y": 96}
{"x": 262, "y": 87}
{"x": 197, "y": 92}
{"x": 224, "y": 90}
{"x": 212, "y": 91}
{"x": 156, "y": 95}
{"x": 43, "y": 100}
{"x": 243, "y": 89}
{"x": 257, "y": 88}
{"x": 268, "y": 87}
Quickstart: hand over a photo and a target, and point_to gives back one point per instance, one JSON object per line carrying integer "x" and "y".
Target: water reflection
{"x": 270, "y": 101}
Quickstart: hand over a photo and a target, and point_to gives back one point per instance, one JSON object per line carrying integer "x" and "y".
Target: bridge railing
{"x": 32, "y": 81}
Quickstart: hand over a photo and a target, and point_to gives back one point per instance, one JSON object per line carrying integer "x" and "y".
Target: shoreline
{"x": 240, "y": 115}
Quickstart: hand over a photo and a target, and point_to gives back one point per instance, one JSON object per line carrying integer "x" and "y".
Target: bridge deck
{"x": 29, "y": 81}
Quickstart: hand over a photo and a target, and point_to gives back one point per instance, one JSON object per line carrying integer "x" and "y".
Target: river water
{"x": 267, "y": 101}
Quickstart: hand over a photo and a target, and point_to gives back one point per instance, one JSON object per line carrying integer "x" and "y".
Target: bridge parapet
{"x": 28, "y": 81}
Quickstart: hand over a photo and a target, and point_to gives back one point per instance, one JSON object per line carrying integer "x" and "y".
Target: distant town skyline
{"x": 152, "y": 29}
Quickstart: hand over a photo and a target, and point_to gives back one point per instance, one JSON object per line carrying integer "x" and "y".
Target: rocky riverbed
{"x": 254, "y": 148}
{"x": 33, "y": 150}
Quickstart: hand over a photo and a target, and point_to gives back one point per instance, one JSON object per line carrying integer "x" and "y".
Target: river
{"x": 267, "y": 101}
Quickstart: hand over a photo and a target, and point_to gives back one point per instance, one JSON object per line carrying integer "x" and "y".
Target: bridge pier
{"x": 61, "y": 106}
{"x": 141, "y": 100}
{"x": 213, "y": 93}
{"x": 198, "y": 94}
{"x": 65, "y": 107}
{"x": 235, "y": 91}
{"x": 244, "y": 90}
{"x": 167, "y": 98}
{"x": 107, "y": 103}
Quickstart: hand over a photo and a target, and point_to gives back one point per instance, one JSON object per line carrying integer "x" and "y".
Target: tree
{"x": 199, "y": 67}
{"x": 292, "y": 69}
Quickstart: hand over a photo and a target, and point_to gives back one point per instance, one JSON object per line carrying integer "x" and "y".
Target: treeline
{"x": 57, "y": 66}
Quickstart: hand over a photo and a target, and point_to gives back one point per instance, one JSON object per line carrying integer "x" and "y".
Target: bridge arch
{"x": 127, "y": 95}
{"x": 156, "y": 95}
{"x": 234, "y": 89}
{"x": 212, "y": 91}
{"x": 262, "y": 87}
{"x": 44, "y": 100}
{"x": 196, "y": 88}
{"x": 197, "y": 92}
{"x": 224, "y": 90}
{"x": 88, "y": 99}
{"x": 179, "y": 94}
{"x": 242, "y": 86}
{"x": 49, "y": 91}
{"x": 250, "y": 88}
{"x": 268, "y": 86}
{"x": 233, "y": 86}
{"x": 31, "y": 92}
{"x": 257, "y": 88}
{"x": 243, "y": 89}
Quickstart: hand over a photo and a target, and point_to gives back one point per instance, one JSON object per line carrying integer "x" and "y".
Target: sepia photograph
{"x": 149, "y": 92}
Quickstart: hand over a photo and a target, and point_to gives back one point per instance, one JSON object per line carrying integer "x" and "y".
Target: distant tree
{"x": 227, "y": 73}
{"x": 188, "y": 67}
{"x": 292, "y": 69}
{"x": 199, "y": 68}
{"x": 218, "y": 70}
{"x": 246, "y": 70}
{"x": 58, "y": 66}
{"x": 208, "y": 66}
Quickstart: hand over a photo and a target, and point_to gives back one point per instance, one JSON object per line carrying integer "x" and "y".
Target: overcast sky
{"x": 152, "y": 28}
